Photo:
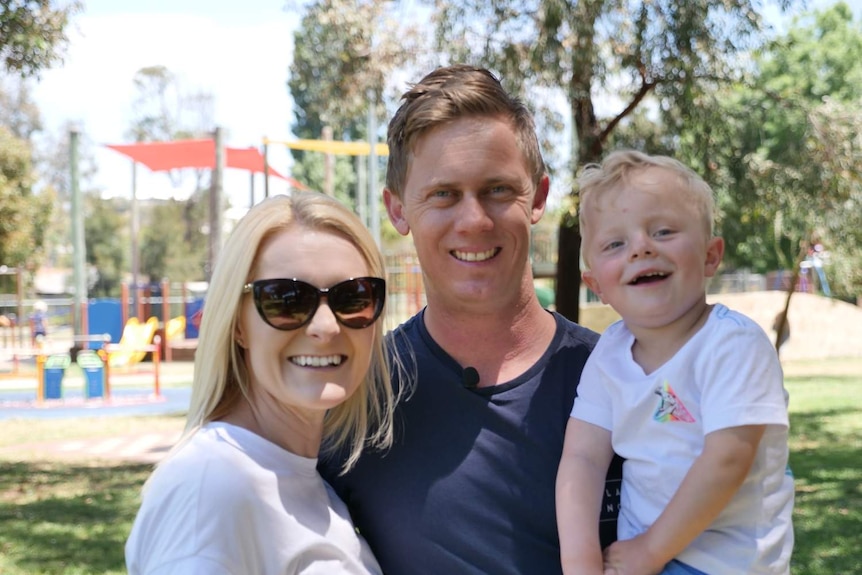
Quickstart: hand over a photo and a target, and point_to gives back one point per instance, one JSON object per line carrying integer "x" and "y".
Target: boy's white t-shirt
{"x": 726, "y": 375}
{"x": 231, "y": 502}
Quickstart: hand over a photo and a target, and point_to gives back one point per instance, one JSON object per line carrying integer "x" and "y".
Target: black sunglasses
{"x": 288, "y": 304}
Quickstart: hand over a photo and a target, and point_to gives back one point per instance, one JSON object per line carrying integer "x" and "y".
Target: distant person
{"x": 690, "y": 394}
{"x": 38, "y": 322}
{"x": 290, "y": 360}
{"x": 468, "y": 484}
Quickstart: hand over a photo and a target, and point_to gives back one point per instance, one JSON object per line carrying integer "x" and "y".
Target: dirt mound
{"x": 820, "y": 327}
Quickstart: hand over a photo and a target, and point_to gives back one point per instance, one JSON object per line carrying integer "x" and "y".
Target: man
{"x": 468, "y": 486}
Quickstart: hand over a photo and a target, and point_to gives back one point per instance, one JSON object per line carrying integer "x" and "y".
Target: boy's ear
{"x": 593, "y": 284}
{"x": 714, "y": 254}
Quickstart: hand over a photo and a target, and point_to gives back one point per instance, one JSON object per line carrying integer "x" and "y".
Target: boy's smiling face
{"x": 648, "y": 249}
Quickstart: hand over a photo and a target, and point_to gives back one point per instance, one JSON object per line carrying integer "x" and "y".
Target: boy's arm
{"x": 587, "y": 453}
{"x": 709, "y": 485}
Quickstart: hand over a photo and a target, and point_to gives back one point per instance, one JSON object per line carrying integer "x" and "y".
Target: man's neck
{"x": 500, "y": 346}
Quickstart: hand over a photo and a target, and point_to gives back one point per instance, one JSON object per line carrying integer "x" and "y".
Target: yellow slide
{"x": 175, "y": 327}
{"x": 135, "y": 335}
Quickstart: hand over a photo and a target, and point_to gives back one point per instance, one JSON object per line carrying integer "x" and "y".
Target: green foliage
{"x": 23, "y": 215}
{"x": 784, "y": 151}
{"x": 18, "y": 111}
{"x": 343, "y": 53}
{"x": 32, "y": 33}
{"x": 323, "y": 56}
{"x": 106, "y": 237}
{"x": 172, "y": 243}
{"x": 340, "y": 55}
{"x": 311, "y": 171}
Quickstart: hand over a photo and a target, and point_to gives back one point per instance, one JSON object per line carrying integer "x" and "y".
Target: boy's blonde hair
{"x": 619, "y": 165}
{"x": 221, "y": 375}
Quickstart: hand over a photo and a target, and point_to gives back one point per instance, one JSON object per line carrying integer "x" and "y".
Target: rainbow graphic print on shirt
{"x": 670, "y": 408}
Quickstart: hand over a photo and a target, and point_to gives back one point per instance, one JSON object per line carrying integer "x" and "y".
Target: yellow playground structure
{"x": 132, "y": 347}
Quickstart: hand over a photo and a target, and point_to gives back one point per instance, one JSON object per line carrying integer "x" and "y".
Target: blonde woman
{"x": 290, "y": 361}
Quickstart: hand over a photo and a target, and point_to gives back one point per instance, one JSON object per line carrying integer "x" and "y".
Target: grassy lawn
{"x": 68, "y": 517}
{"x": 73, "y": 518}
{"x": 826, "y": 458}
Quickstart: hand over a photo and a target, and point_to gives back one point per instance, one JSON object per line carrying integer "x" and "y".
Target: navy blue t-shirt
{"x": 468, "y": 485}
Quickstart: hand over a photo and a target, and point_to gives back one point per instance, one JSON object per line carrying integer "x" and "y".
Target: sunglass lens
{"x": 287, "y": 304}
{"x": 358, "y": 302}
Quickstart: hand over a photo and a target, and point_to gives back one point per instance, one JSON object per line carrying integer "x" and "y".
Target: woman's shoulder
{"x": 205, "y": 465}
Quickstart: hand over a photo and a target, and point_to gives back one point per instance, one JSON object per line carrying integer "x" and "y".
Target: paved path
{"x": 133, "y": 448}
{"x": 131, "y": 395}
{"x": 123, "y": 403}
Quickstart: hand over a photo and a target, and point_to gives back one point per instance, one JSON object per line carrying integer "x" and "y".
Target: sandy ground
{"x": 820, "y": 327}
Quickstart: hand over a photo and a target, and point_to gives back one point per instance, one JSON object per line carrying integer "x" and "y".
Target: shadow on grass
{"x": 60, "y": 518}
{"x": 828, "y": 512}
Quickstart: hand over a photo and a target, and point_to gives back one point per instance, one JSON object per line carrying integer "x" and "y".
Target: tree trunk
{"x": 567, "y": 299}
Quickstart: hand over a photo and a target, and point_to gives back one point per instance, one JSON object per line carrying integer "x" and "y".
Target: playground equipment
{"x": 131, "y": 348}
{"x": 95, "y": 367}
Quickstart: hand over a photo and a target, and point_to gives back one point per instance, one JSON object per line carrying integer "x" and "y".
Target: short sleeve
{"x": 743, "y": 380}
{"x": 592, "y": 402}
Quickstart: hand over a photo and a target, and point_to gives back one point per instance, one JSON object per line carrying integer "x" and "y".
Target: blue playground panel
{"x": 104, "y": 316}
{"x": 94, "y": 373}
{"x": 53, "y": 372}
{"x": 194, "y": 309}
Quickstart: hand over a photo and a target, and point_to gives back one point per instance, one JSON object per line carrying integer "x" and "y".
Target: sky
{"x": 238, "y": 51}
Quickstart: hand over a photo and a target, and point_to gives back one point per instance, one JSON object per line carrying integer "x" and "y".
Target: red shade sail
{"x": 165, "y": 156}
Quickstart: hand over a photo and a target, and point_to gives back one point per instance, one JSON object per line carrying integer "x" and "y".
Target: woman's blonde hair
{"x": 221, "y": 375}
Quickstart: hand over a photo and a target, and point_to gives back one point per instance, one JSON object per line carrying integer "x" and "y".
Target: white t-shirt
{"x": 231, "y": 502}
{"x": 726, "y": 375}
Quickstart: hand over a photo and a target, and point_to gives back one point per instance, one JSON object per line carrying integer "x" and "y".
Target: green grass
{"x": 66, "y": 518}
{"x": 73, "y": 518}
{"x": 826, "y": 458}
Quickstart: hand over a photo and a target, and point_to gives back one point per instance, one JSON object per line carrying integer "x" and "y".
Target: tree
{"x": 105, "y": 231}
{"x": 166, "y": 110}
{"x": 18, "y": 112}
{"x": 172, "y": 243}
{"x": 340, "y": 65}
{"x": 33, "y": 33}
{"x": 23, "y": 215}
{"x": 601, "y": 52}
{"x": 783, "y": 150}
{"x": 168, "y": 248}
